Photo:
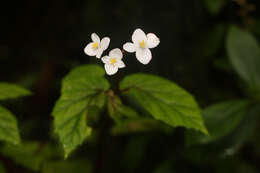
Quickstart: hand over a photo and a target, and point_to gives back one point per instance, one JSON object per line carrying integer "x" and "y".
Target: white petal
{"x": 105, "y": 59}
{"x": 144, "y": 56}
{"x": 129, "y": 47}
{"x": 152, "y": 40}
{"x": 116, "y": 53}
{"x": 111, "y": 69}
{"x": 105, "y": 43}
{"x": 89, "y": 50}
{"x": 95, "y": 38}
{"x": 120, "y": 64}
{"x": 138, "y": 36}
{"x": 99, "y": 53}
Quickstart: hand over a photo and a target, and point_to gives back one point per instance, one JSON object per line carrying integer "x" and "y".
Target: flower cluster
{"x": 141, "y": 45}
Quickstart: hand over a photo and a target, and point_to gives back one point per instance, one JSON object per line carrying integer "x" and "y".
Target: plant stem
{"x": 103, "y": 145}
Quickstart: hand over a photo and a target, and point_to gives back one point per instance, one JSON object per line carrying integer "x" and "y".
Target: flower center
{"x": 142, "y": 44}
{"x": 113, "y": 61}
{"x": 95, "y": 45}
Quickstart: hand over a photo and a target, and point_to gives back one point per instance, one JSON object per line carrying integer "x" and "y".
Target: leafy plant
{"x": 8, "y": 125}
{"x": 85, "y": 90}
{"x": 130, "y": 113}
{"x": 230, "y": 118}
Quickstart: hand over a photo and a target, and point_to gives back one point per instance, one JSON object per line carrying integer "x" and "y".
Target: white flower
{"x": 113, "y": 61}
{"x": 142, "y": 44}
{"x": 97, "y": 47}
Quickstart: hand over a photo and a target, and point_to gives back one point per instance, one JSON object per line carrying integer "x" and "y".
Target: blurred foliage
{"x": 8, "y": 125}
{"x": 240, "y": 44}
{"x": 31, "y": 155}
{"x": 210, "y": 48}
{"x": 229, "y": 114}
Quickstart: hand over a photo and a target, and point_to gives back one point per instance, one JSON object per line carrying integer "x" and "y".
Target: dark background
{"x": 42, "y": 40}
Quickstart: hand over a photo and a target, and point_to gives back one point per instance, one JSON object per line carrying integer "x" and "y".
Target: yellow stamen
{"x": 142, "y": 44}
{"x": 113, "y": 61}
{"x": 95, "y": 45}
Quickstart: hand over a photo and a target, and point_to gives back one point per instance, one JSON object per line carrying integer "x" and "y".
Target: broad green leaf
{"x": 117, "y": 110}
{"x": 221, "y": 119}
{"x": 11, "y": 91}
{"x": 82, "y": 89}
{"x": 77, "y": 166}
{"x": 164, "y": 100}
{"x": 215, "y": 6}
{"x": 30, "y": 155}
{"x": 85, "y": 70}
{"x": 2, "y": 168}
{"x": 244, "y": 54}
{"x": 8, "y": 127}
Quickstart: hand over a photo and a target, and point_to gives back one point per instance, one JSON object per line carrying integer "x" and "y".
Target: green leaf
{"x": 82, "y": 89}
{"x": 30, "y": 155}
{"x": 78, "y": 166}
{"x": 2, "y": 168}
{"x": 117, "y": 110}
{"x": 221, "y": 119}
{"x": 244, "y": 54}
{"x": 164, "y": 100}
{"x": 246, "y": 129}
{"x": 215, "y": 6}
{"x": 8, "y": 127}
{"x": 11, "y": 91}
{"x": 85, "y": 70}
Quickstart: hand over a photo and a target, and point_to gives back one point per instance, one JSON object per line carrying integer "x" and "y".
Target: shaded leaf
{"x": 117, "y": 110}
{"x": 11, "y": 91}
{"x": 138, "y": 125}
{"x": 82, "y": 89}
{"x": 30, "y": 155}
{"x": 245, "y": 130}
{"x": 8, "y": 127}
{"x": 164, "y": 100}
{"x": 221, "y": 119}
{"x": 244, "y": 54}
